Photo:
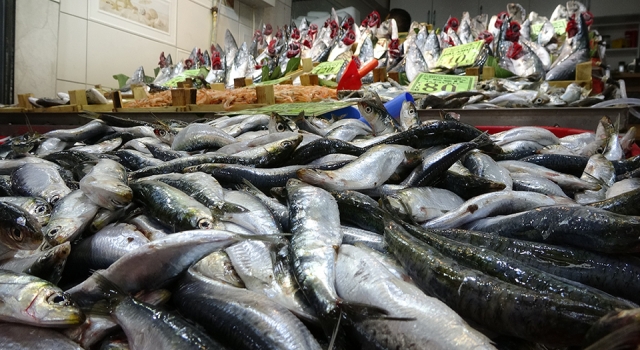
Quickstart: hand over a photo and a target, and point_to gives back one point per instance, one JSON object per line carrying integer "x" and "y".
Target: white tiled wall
{"x": 58, "y": 46}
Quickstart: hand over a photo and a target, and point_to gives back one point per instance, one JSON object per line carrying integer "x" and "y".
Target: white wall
{"x": 60, "y": 48}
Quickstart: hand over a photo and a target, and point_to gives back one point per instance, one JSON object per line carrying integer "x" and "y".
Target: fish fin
{"x": 334, "y": 334}
{"x": 310, "y": 176}
{"x": 483, "y": 139}
{"x": 111, "y": 291}
{"x": 249, "y": 187}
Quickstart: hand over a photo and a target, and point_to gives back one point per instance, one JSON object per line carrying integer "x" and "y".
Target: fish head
{"x": 369, "y": 109}
{"x": 19, "y": 237}
{"x": 349, "y": 37}
{"x": 61, "y": 230}
{"x": 452, "y": 23}
{"x": 286, "y": 145}
{"x": 163, "y": 60}
{"x": 108, "y": 193}
{"x": 41, "y": 209}
{"x": 164, "y": 133}
{"x": 51, "y": 306}
{"x": 293, "y": 49}
{"x": 267, "y": 29}
{"x": 394, "y": 48}
{"x": 486, "y": 36}
{"x": 295, "y": 34}
{"x": 373, "y": 19}
{"x": 513, "y": 32}
{"x": 333, "y": 26}
{"x": 278, "y": 123}
{"x": 572, "y": 27}
{"x": 384, "y": 29}
{"x": 18, "y": 228}
{"x": 50, "y": 265}
{"x": 588, "y": 18}
{"x": 515, "y": 51}
{"x": 313, "y": 30}
{"x": 346, "y": 22}
{"x": 271, "y": 48}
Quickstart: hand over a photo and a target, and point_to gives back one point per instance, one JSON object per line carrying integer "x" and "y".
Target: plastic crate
{"x": 560, "y": 132}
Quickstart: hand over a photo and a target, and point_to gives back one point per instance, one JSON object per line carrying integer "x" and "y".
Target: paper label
{"x": 460, "y": 56}
{"x": 426, "y": 83}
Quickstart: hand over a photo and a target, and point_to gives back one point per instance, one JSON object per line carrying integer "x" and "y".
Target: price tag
{"x": 560, "y": 26}
{"x": 426, "y": 83}
{"x": 460, "y": 56}
{"x": 326, "y": 68}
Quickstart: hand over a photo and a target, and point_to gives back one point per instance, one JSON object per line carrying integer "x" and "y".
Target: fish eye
{"x": 115, "y": 202}
{"x": 412, "y": 111}
{"x": 280, "y": 127}
{"x": 59, "y": 299}
{"x": 41, "y": 209}
{"x": 287, "y": 143}
{"x": 204, "y": 224}
{"x": 54, "y": 199}
{"x": 368, "y": 109}
{"x": 538, "y": 100}
{"x": 54, "y": 231}
{"x": 16, "y": 234}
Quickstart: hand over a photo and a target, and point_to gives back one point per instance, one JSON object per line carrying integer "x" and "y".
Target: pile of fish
{"x": 274, "y": 232}
{"x": 508, "y": 37}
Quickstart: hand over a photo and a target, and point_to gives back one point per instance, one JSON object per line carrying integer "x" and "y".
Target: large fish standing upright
{"x": 344, "y": 44}
{"x": 565, "y": 67}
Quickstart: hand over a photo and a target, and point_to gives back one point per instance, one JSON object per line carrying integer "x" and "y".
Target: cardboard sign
{"x": 460, "y": 56}
{"x": 426, "y": 83}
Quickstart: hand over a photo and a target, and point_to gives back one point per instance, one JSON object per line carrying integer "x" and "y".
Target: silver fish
{"x": 415, "y": 62}
{"x": 363, "y": 279}
{"x": 39, "y": 180}
{"x": 370, "y": 170}
{"x": 69, "y": 218}
{"x": 503, "y": 202}
{"x": 315, "y": 224}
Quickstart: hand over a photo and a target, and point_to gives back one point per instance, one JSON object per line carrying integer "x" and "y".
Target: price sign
{"x": 460, "y": 56}
{"x": 326, "y": 68}
{"x": 426, "y": 83}
{"x": 559, "y": 27}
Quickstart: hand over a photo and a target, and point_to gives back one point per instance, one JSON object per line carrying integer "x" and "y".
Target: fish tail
{"x": 482, "y": 140}
{"x": 111, "y": 291}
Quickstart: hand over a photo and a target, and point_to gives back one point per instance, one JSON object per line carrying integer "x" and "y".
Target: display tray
{"x": 570, "y": 117}
{"x": 579, "y": 118}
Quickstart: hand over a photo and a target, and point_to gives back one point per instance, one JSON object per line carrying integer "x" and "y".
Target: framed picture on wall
{"x": 154, "y": 19}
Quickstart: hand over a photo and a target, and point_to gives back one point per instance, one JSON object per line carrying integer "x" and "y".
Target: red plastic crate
{"x": 560, "y": 132}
